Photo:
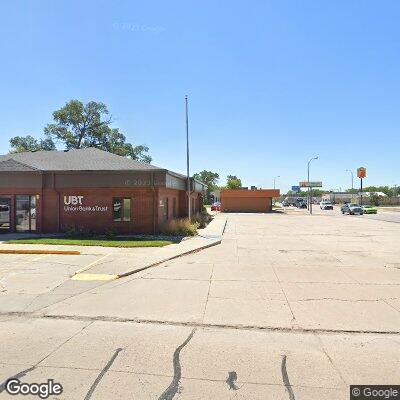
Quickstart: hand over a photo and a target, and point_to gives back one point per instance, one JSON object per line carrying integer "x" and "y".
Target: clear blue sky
{"x": 271, "y": 83}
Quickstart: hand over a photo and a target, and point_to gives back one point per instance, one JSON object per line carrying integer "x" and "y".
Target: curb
{"x": 64, "y": 252}
{"x": 134, "y": 271}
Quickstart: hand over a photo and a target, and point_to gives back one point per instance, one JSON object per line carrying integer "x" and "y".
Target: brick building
{"x": 244, "y": 200}
{"x": 55, "y": 191}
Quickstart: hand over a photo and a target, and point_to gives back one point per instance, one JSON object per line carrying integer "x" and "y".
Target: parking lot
{"x": 289, "y": 306}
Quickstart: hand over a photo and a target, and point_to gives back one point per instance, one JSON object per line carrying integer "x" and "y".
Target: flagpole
{"x": 187, "y": 159}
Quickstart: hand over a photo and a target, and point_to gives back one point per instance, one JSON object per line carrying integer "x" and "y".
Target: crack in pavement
{"x": 16, "y": 376}
{"x": 349, "y": 300}
{"x": 231, "y": 381}
{"x": 285, "y": 378}
{"x": 174, "y": 387}
{"x": 102, "y": 373}
{"x": 261, "y": 328}
{"x": 26, "y": 371}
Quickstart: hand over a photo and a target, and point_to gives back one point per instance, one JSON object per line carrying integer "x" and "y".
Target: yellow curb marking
{"x": 94, "y": 277}
{"x": 65, "y": 252}
{"x": 86, "y": 267}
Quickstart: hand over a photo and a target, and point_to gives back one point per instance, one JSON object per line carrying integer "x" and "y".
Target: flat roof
{"x": 243, "y": 193}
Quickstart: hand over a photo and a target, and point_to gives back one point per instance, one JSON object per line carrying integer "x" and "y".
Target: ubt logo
{"x": 73, "y": 200}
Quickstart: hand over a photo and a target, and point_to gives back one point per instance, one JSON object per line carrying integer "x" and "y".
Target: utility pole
{"x": 275, "y": 179}
{"x": 187, "y": 160}
{"x": 308, "y": 181}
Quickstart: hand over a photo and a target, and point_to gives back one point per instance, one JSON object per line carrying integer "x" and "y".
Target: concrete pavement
{"x": 289, "y": 306}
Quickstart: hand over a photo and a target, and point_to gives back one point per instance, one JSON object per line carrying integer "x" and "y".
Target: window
{"x": 174, "y": 213}
{"x": 121, "y": 209}
{"x": 26, "y": 213}
{"x": 166, "y": 208}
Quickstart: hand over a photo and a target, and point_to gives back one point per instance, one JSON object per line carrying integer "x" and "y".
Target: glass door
{"x": 25, "y": 213}
{"x": 5, "y": 214}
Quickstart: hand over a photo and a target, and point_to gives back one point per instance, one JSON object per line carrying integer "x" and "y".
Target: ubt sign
{"x": 75, "y": 204}
{"x": 73, "y": 200}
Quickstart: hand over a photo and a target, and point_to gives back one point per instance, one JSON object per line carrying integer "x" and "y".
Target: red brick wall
{"x": 169, "y": 194}
{"x": 100, "y": 217}
{"x": 146, "y": 213}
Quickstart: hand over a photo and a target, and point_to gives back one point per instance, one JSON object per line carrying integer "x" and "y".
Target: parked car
{"x": 216, "y": 206}
{"x": 285, "y": 203}
{"x": 369, "y": 209}
{"x": 326, "y": 205}
{"x": 351, "y": 209}
{"x": 300, "y": 203}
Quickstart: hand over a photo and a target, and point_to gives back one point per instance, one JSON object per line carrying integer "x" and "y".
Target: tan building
{"x": 243, "y": 200}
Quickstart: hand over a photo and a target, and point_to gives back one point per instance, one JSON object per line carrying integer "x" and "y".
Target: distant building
{"x": 233, "y": 200}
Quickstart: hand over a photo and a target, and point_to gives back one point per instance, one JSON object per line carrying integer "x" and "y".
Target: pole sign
{"x": 310, "y": 184}
{"x": 362, "y": 172}
{"x": 296, "y": 189}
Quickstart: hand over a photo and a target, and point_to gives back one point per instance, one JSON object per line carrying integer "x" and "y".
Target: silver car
{"x": 352, "y": 209}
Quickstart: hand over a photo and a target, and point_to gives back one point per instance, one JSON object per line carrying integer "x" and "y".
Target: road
{"x": 289, "y": 306}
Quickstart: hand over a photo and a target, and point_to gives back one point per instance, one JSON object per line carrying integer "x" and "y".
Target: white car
{"x": 326, "y": 205}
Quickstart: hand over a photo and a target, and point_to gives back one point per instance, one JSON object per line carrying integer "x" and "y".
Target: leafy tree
{"x": 78, "y": 125}
{"x": 233, "y": 182}
{"x": 210, "y": 179}
{"x": 20, "y": 144}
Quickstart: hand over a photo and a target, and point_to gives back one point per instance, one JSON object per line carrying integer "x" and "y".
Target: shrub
{"x": 180, "y": 227}
{"x": 202, "y": 219}
{"x": 374, "y": 199}
{"x": 79, "y": 232}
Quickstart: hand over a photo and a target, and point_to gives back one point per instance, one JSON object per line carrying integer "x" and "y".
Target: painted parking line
{"x": 94, "y": 277}
{"x": 86, "y": 267}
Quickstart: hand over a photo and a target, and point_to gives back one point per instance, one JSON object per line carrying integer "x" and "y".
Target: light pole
{"x": 308, "y": 181}
{"x": 278, "y": 176}
{"x": 352, "y": 178}
{"x": 352, "y": 182}
{"x": 187, "y": 159}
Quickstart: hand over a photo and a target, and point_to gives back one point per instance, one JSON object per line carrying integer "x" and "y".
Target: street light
{"x": 352, "y": 182}
{"x": 278, "y": 176}
{"x": 308, "y": 181}
{"x": 352, "y": 178}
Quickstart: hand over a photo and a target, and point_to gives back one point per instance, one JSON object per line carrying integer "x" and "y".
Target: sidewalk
{"x": 389, "y": 208}
{"x": 150, "y": 257}
{"x": 115, "y": 262}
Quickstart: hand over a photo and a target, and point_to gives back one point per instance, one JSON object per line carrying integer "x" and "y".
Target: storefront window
{"x": 121, "y": 209}
{"x": 25, "y": 213}
{"x": 5, "y": 213}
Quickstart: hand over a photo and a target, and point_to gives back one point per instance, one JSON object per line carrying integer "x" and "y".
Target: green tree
{"x": 20, "y": 144}
{"x": 78, "y": 125}
{"x": 233, "y": 182}
{"x": 210, "y": 179}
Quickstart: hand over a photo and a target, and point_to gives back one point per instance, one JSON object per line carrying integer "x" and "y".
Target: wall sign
{"x": 77, "y": 204}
